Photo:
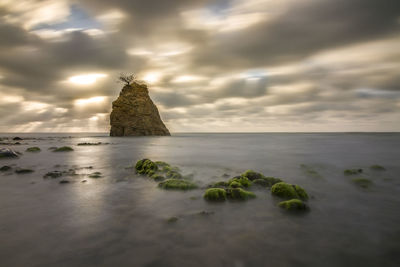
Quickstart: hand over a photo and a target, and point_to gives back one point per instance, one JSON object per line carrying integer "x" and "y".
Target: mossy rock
{"x": 173, "y": 174}
{"x": 285, "y": 190}
{"x": 146, "y": 166}
{"x": 292, "y": 205}
{"x": 377, "y": 167}
{"x": 252, "y": 175}
{"x": 23, "y": 171}
{"x": 161, "y": 164}
{"x": 235, "y": 184}
{"x": 239, "y": 194}
{"x": 5, "y": 168}
{"x": 172, "y": 219}
{"x": 177, "y": 184}
{"x": 215, "y": 194}
{"x": 63, "y": 149}
{"x": 53, "y": 174}
{"x": 33, "y": 149}
{"x": 243, "y": 181}
{"x": 352, "y": 171}
{"x": 95, "y": 175}
{"x": 220, "y": 184}
{"x": 362, "y": 182}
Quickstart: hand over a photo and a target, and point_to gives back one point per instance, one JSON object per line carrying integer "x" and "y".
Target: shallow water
{"x": 121, "y": 218}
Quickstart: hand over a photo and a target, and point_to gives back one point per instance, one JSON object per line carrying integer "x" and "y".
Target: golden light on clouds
{"x": 91, "y": 100}
{"x": 86, "y": 79}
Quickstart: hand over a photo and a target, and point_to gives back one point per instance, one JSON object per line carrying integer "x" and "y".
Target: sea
{"x": 124, "y": 219}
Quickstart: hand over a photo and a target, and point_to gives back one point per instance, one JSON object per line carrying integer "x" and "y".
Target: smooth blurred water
{"x": 121, "y": 219}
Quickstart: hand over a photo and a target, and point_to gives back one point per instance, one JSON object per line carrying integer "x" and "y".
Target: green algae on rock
{"x": 33, "y": 149}
{"x": 95, "y": 175}
{"x": 362, "y": 182}
{"x": 377, "y": 167}
{"x": 172, "y": 219}
{"x": 63, "y": 149}
{"x": 215, "y": 194}
{"x": 293, "y": 204}
{"x": 177, "y": 184}
{"x": 242, "y": 181}
{"x": 289, "y": 191}
{"x": 239, "y": 194}
{"x": 23, "y": 171}
{"x": 53, "y": 174}
{"x": 252, "y": 175}
{"x": 5, "y": 168}
{"x": 352, "y": 171}
{"x": 146, "y": 166}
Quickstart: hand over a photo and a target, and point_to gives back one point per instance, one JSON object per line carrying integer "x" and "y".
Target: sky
{"x": 211, "y": 66}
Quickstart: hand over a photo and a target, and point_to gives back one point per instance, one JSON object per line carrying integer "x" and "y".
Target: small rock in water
{"x": 22, "y": 171}
{"x": 84, "y": 181}
{"x": 95, "y": 175}
{"x": 53, "y": 174}
{"x": 17, "y": 138}
{"x": 8, "y": 153}
{"x": 172, "y": 220}
{"x": 64, "y": 182}
{"x": 63, "y": 149}
{"x": 5, "y": 168}
{"x": 33, "y": 149}
{"x": 377, "y": 168}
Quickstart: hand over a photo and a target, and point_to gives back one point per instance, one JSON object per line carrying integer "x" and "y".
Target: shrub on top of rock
{"x": 288, "y": 191}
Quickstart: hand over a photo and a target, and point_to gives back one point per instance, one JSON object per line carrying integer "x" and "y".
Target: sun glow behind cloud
{"x": 88, "y": 101}
{"x": 86, "y": 79}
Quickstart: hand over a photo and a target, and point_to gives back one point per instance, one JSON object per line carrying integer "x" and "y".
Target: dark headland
{"x": 135, "y": 114}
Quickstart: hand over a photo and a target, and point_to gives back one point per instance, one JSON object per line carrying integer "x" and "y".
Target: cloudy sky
{"x": 212, "y": 66}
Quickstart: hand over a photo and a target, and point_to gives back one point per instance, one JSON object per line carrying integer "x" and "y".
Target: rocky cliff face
{"x": 134, "y": 113}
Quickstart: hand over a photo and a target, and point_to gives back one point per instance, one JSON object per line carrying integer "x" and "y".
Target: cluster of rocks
{"x": 363, "y": 182}
{"x": 236, "y": 188}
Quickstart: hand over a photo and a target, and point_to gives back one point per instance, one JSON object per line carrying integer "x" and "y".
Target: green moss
{"x": 310, "y": 171}
{"x": 33, "y": 149}
{"x": 235, "y": 184}
{"x": 220, "y": 184}
{"x": 377, "y": 168}
{"x": 244, "y": 181}
{"x": 301, "y": 192}
{"x": 362, "y": 182}
{"x": 177, "y": 184}
{"x": 172, "y": 219}
{"x": 95, "y": 175}
{"x": 293, "y": 204}
{"x": 146, "y": 166}
{"x": 63, "y": 149}
{"x": 173, "y": 175}
{"x": 252, "y": 175}
{"x": 285, "y": 190}
{"x": 352, "y": 171}
{"x": 23, "y": 171}
{"x": 157, "y": 177}
{"x": 239, "y": 194}
{"x": 161, "y": 164}
{"x": 215, "y": 194}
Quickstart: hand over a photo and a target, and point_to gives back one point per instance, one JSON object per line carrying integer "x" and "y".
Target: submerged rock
{"x": 17, "y": 138}
{"x": 177, "y": 184}
{"x": 289, "y": 191}
{"x": 53, "y": 174}
{"x": 5, "y": 168}
{"x": 377, "y": 168}
{"x": 239, "y": 194}
{"x": 23, "y": 171}
{"x": 362, "y": 182}
{"x": 352, "y": 171}
{"x": 134, "y": 113}
{"x": 293, "y": 204}
{"x": 64, "y": 182}
{"x": 8, "y": 153}
{"x": 95, "y": 175}
{"x": 63, "y": 149}
{"x": 33, "y": 149}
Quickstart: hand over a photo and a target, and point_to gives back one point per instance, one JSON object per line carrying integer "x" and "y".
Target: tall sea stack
{"x": 134, "y": 113}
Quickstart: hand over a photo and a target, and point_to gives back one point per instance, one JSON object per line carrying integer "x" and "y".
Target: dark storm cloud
{"x": 305, "y": 28}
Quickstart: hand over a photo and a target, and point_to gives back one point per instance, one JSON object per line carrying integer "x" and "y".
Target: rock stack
{"x": 134, "y": 113}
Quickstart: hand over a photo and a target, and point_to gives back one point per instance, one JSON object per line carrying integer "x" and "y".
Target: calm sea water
{"x": 121, "y": 218}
